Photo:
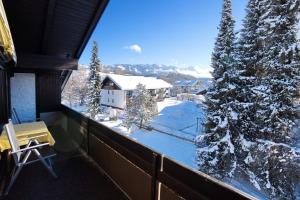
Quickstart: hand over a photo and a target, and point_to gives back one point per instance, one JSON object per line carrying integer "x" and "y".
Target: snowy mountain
{"x": 159, "y": 70}
{"x": 170, "y": 74}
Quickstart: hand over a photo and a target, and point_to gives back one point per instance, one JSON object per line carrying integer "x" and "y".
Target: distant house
{"x": 117, "y": 89}
{"x": 187, "y": 86}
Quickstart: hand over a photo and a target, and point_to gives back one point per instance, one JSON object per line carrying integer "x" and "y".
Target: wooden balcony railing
{"x": 138, "y": 171}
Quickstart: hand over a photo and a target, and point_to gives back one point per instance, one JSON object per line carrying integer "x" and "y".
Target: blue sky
{"x": 171, "y": 32}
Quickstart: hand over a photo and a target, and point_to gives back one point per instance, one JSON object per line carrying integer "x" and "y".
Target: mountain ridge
{"x": 168, "y": 73}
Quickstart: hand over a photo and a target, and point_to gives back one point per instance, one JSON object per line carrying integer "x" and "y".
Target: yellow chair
{"x": 21, "y": 155}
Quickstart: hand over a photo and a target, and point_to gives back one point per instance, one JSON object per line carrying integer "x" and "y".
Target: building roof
{"x": 185, "y": 82}
{"x": 125, "y": 82}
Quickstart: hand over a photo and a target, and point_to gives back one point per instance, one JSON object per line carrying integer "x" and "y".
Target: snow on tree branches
{"x": 277, "y": 115}
{"x": 217, "y": 145}
{"x": 94, "y": 84}
{"x": 141, "y": 107}
{"x": 253, "y": 102}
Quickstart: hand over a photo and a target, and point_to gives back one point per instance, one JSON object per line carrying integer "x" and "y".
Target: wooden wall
{"x": 4, "y": 111}
{"x": 48, "y": 91}
{"x": 109, "y": 85}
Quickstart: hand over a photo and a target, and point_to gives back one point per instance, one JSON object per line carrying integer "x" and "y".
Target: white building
{"x": 116, "y": 89}
{"x": 190, "y": 86}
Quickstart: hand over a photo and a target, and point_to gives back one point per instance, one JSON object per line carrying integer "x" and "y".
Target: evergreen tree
{"x": 217, "y": 145}
{"x": 141, "y": 108}
{"x": 277, "y": 160}
{"x": 94, "y": 84}
{"x": 249, "y": 55}
{"x": 253, "y": 102}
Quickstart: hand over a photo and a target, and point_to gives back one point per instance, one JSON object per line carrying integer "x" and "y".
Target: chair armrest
{"x": 33, "y": 137}
{"x": 29, "y": 148}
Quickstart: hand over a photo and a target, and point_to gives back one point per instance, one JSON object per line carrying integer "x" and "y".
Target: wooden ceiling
{"x": 44, "y": 30}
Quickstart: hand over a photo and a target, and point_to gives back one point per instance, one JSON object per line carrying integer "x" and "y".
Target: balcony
{"x": 94, "y": 162}
{"x": 79, "y": 177}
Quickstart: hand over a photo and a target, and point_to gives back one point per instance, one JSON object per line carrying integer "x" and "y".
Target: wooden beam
{"x": 4, "y": 97}
{"x": 92, "y": 25}
{"x": 66, "y": 75}
{"x": 36, "y": 61}
{"x": 48, "y": 21}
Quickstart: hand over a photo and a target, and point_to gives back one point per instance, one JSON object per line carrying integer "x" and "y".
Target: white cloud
{"x": 135, "y": 47}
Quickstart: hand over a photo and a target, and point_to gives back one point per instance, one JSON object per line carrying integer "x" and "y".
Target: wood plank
{"x": 35, "y": 61}
{"x": 47, "y": 24}
{"x": 53, "y": 27}
{"x": 192, "y": 184}
{"x": 166, "y": 194}
{"x": 130, "y": 178}
{"x": 147, "y": 167}
{"x": 4, "y": 97}
{"x": 92, "y": 25}
{"x": 65, "y": 77}
{"x": 138, "y": 153}
{"x": 26, "y": 19}
{"x": 48, "y": 91}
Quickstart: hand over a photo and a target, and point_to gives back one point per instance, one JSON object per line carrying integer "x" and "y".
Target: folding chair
{"x": 21, "y": 155}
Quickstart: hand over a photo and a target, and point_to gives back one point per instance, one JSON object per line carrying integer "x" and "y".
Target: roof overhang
{"x": 52, "y": 34}
{"x": 7, "y": 49}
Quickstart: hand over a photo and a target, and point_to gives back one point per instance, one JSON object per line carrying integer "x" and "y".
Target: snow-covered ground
{"x": 174, "y": 130}
{"x": 175, "y": 118}
{"x": 172, "y": 147}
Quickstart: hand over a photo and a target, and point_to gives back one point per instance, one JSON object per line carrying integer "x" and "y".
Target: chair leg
{"x": 49, "y": 161}
{"x": 16, "y": 172}
{"x": 43, "y": 160}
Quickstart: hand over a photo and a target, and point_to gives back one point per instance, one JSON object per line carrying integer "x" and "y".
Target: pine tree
{"x": 277, "y": 161}
{"x": 250, "y": 124}
{"x": 217, "y": 145}
{"x": 141, "y": 108}
{"x": 249, "y": 55}
{"x": 94, "y": 84}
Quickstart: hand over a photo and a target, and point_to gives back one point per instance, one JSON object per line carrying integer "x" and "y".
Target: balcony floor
{"x": 78, "y": 178}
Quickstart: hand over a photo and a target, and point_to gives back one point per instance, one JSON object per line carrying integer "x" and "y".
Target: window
{"x": 107, "y": 91}
{"x": 129, "y": 93}
{"x": 112, "y": 100}
{"x": 108, "y": 100}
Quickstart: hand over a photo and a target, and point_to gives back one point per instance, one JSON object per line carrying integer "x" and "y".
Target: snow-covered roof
{"x": 185, "y": 82}
{"x": 130, "y": 82}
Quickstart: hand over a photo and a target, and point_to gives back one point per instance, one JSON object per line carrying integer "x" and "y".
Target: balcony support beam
{"x": 36, "y": 61}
